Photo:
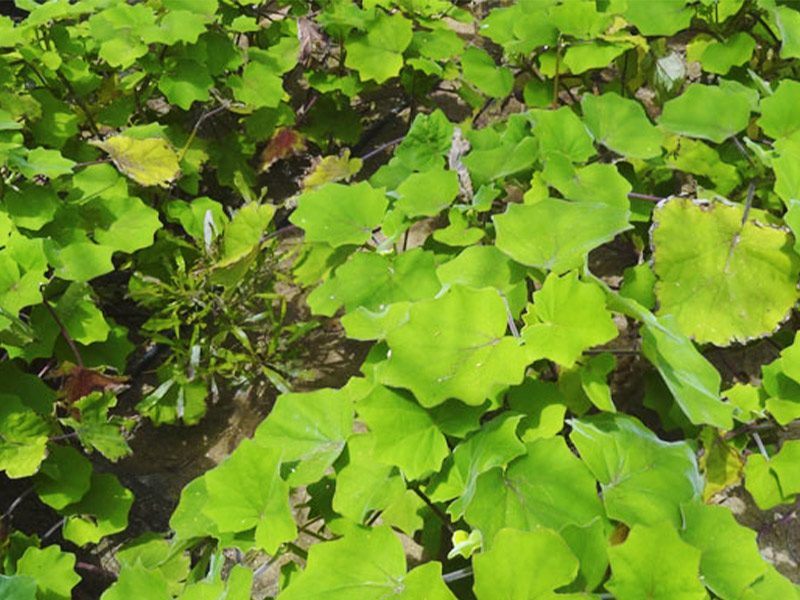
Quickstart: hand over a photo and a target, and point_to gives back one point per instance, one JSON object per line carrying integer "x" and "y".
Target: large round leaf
{"x": 557, "y": 235}
{"x": 706, "y": 111}
{"x": 722, "y": 280}
{"x": 339, "y": 214}
{"x": 621, "y": 125}
{"x": 654, "y": 563}
{"x": 455, "y": 346}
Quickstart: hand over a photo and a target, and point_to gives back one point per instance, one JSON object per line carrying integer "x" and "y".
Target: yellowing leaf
{"x": 332, "y": 168}
{"x": 149, "y": 161}
{"x": 721, "y": 463}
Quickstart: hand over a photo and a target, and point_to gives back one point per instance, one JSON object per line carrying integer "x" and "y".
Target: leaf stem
{"x": 760, "y": 445}
{"x": 638, "y": 196}
{"x": 457, "y": 575}
{"x": 64, "y": 333}
{"x": 436, "y": 510}
{"x": 17, "y": 501}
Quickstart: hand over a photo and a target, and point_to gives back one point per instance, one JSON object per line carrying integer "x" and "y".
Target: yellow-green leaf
{"x": 149, "y": 161}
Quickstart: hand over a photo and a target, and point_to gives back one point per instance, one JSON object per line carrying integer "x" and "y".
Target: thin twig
{"x": 510, "y": 317}
{"x": 206, "y": 115}
{"x": 769, "y": 29}
{"x": 749, "y": 427}
{"x": 81, "y": 104}
{"x": 64, "y": 333}
{"x": 457, "y": 575}
{"x": 54, "y": 528}
{"x": 17, "y": 501}
{"x": 760, "y": 445}
{"x": 436, "y": 510}
{"x": 743, "y": 151}
{"x": 638, "y": 196}
{"x": 558, "y": 74}
{"x": 382, "y": 147}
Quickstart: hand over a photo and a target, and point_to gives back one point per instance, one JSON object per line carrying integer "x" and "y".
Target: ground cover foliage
{"x": 581, "y": 194}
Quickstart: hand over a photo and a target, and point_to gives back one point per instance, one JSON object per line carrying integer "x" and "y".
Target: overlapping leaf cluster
{"x": 488, "y": 406}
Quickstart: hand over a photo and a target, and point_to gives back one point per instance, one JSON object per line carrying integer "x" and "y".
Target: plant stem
{"x": 436, "y": 510}
{"x": 64, "y": 333}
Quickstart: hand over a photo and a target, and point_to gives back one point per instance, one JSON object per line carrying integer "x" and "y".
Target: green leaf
{"x": 594, "y": 380}
{"x": 772, "y": 585}
{"x": 427, "y": 141}
{"x": 788, "y": 21}
{"x": 761, "y": 481}
{"x": 548, "y": 487}
{"x": 203, "y": 7}
{"x": 706, "y": 111}
{"x": 176, "y": 26}
{"x": 589, "y": 544}
{"x": 378, "y": 54}
{"x": 621, "y": 125}
{"x": 779, "y": 117}
{"x": 455, "y": 346}
{"x": 595, "y": 54}
{"x": 368, "y": 564}
{"x": 706, "y": 261}
{"x": 574, "y": 228}
{"x": 375, "y": 281}
{"x": 130, "y": 224}
{"x": 101, "y": 512}
{"x": 244, "y": 231}
{"x": 567, "y": 317}
{"x": 138, "y": 582}
{"x": 48, "y": 163}
{"x": 493, "y": 445}
{"x": 246, "y": 491}
{"x": 259, "y": 86}
{"x": 23, "y": 438}
{"x": 523, "y": 565}
{"x": 787, "y": 171}
{"x": 643, "y": 479}
{"x": 339, "y": 214}
{"x": 721, "y": 57}
{"x": 53, "y": 571}
{"x": 481, "y": 71}
{"x": 17, "y": 587}
{"x": 96, "y": 429}
{"x": 148, "y": 161}
{"x": 698, "y": 158}
{"x": 188, "y": 519}
{"x": 64, "y": 477}
{"x": 786, "y": 466}
{"x": 310, "y": 429}
{"x": 185, "y": 83}
{"x": 427, "y": 194}
{"x": 486, "y": 266}
{"x": 664, "y": 17}
{"x": 543, "y": 405}
{"x": 692, "y": 380}
{"x": 192, "y": 216}
{"x": 405, "y": 434}
{"x": 80, "y": 261}
{"x": 655, "y": 564}
{"x": 365, "y": 484}
{"x": 562, "y": 132}
{"x": 82, "y": 318}
{"x": 425, "y": 581}
{"x": 32, "y": 207}
{"x": 730, "y": 561}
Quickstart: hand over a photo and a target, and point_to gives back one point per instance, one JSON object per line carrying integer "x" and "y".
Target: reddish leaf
{"x": 284, "y": 143}
{"x": 80, "y": 381}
